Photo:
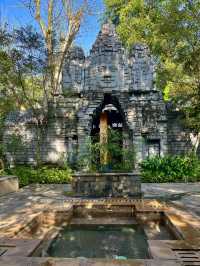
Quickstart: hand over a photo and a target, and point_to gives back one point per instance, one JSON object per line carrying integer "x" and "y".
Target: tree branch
{"x": 38, "y": 17}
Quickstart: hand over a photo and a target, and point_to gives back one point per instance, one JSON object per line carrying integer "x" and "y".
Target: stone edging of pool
{"x": 24, "y": 239}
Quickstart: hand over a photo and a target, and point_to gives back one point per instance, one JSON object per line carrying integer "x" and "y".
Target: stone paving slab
{"x": 186, "y": 224}
{"x": 185, "y": 251}
{"x": 8, "y": 184}
{"x": 191, "y": 202}
{"x": 185, "y": 195}
{"x": 20, "y": 261}
{"x": 164, "y": 189}
{"x": 19, "y": 247}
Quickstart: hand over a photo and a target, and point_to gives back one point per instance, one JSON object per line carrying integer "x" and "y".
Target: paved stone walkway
{"x": 38, "y": 196}
{"x": 183, "y": 194}
{"x": 20, "y": 205}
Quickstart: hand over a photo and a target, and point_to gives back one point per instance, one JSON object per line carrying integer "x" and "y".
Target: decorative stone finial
{"x": 108, "y": 28}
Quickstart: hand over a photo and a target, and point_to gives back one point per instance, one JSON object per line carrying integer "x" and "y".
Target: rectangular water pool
{"x": 103, "y": 231}
{"x": 103, "y": 241}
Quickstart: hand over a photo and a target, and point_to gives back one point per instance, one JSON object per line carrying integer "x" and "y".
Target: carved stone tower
{"x": 111, "y": 77}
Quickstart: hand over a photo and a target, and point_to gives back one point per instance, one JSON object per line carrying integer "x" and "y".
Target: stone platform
{"x": 8, "y": 184}
{"x": 107, "y": 184}
{"x": 19, "y": 208}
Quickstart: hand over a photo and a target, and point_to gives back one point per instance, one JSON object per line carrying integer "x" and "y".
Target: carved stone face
{"x": 105, "y": 76}
{"x": 72, "y": 77}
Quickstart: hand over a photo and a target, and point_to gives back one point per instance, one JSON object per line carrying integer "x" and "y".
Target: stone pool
{"x": 103, "y": 241}
{"x": 114, "y": 232}
{"x": 109, "y": 229}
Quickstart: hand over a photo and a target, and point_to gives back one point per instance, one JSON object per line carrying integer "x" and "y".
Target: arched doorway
{"x": 107, "y": 130}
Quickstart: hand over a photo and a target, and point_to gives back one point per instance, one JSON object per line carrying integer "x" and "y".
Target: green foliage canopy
{"x": 41, "y": 175}
{"x": 119, "y": 158}
{"x": 171, "y": 28}
{"x": 171, "y": 169}
{"x": 22, "y": 58}
{"x": 22, "y": 72}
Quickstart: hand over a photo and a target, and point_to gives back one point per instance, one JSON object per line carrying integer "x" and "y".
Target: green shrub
{"x": 171, "y": 169}
{"x": 43, "y": 175}
{"x": 119, "y": 158}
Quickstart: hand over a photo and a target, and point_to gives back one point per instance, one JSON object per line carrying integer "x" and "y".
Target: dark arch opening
{"x": 111, "y": 109}
{"x": 111, "y": 106}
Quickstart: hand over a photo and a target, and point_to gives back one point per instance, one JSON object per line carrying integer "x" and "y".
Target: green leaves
{"x": 119, "y": 158}
{"x": 22, "y": 63}
{"x": 43, "y": 175}
{"x": 171, "y": 169}
{"x": 171, "y": 29}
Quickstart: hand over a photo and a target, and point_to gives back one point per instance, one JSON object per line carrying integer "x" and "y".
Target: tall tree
{"x": 171, "y": 29}
{"x": 22, "y": 64}
{"x": 60, "y": 22}
{"x": 22, "y": 57}
{"x": 31, "y": 62}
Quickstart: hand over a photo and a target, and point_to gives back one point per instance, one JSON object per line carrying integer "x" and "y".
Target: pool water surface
{"x": 100, "y": 241}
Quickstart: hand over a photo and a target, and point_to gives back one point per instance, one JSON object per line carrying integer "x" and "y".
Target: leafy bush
{"x": 43, "y": 175}
{"x": 119, "y": 158}
{"x": 171, "y": 169}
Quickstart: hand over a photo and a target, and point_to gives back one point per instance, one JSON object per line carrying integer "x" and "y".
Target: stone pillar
{"x": 83, "y": 147}
{"x": 138, "y": 143}
{"x": 163, "y": 139}
{"x": 163, "y": 146}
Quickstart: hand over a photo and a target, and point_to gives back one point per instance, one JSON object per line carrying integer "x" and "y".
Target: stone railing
{"x": 107, "y": 184}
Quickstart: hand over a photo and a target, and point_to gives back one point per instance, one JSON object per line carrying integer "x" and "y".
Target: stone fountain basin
{"x": 107, "y": 184}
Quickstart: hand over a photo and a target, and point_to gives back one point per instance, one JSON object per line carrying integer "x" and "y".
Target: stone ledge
{"x": 8, "y": 184}
{"x": 24, "y": 261}
{"x": 107, "y": 184}
{"x": 107, "y": 174}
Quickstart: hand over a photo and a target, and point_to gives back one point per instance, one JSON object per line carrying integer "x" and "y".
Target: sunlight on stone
{"x": 89, "y": 205}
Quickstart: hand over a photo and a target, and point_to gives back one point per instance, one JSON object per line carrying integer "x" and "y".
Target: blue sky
{"x": 13, "y": 12}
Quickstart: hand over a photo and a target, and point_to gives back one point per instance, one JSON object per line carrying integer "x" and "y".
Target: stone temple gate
{"x": 110, "y": 87}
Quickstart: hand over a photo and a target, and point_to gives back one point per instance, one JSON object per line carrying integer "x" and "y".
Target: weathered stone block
{"x": 107, "y": 184}
{"x": 8, "y": 184}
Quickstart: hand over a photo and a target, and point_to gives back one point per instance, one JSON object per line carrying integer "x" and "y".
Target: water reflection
{"x": 118, "y": 242}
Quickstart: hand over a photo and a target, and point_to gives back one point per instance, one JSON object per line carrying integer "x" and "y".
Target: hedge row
{"x": 154, "y": 170}
{"x": 42, "y": 175}
{"x": 171, "y": 169}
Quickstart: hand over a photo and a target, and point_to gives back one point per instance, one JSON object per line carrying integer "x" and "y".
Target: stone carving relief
{"x": 152, "y": 114}
{"x": 143, "y": 69}
{"x": 73, "y": 78}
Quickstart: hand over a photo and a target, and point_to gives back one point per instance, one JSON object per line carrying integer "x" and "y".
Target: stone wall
{"x": 178, "y": 135}
{"x": 20, "y": 138}
{"x": 107, "y": 184}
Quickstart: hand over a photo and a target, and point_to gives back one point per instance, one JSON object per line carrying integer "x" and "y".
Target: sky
{"x": 15, "y": 14}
